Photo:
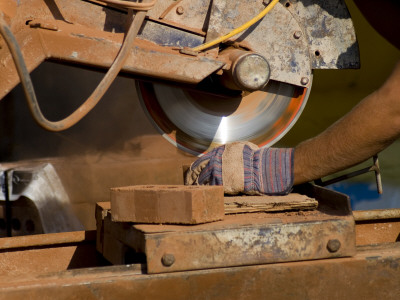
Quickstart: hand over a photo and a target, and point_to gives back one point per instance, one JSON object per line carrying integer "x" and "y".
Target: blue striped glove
{"x": 242, "y": 167}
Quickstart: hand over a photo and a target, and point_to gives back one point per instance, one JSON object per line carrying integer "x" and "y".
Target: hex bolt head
{"x": 297, "y": 35}
{"x": 168, "y": 259}
{"x": 179, "y": 10}
{"x": 304, "y": 80}
{"x": 333, "y": 245}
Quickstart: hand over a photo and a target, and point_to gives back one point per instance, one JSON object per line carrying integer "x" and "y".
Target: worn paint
{"x": 272, "y": 37}
{"x": 329, "y": 31}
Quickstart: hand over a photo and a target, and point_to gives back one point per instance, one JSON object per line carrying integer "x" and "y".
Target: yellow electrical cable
{"x": 239, "y": 29}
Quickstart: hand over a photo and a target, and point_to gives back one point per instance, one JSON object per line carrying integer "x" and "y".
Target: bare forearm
{"x": 368, "y": 129}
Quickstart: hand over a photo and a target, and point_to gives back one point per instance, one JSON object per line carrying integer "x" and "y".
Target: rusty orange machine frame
{"x": 67, "y": 266}
{"x": 284, "y": 48}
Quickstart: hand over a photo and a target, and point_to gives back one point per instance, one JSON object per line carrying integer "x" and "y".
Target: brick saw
{"x": 207, "y": 72}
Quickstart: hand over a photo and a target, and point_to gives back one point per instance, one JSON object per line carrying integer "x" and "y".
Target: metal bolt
{"x": 168, "y": 259}
{"x": 179, "y": 10}
{"x": 304, "y": 80}
{"x": 297, "y": 35}
{"x": 266, "y": 2}
{"x": 333, "y": 245}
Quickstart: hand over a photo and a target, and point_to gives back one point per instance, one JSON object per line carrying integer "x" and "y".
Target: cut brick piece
{"x": 171, "y": 204}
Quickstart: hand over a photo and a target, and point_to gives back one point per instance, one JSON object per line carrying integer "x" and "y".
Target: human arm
{"x": 367, "y": 129}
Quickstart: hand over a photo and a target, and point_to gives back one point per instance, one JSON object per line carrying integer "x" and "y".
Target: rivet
{"x": 179, "y": 10}
{"x": 333, "y": 245}
{"x": 168, "y": 259}
{"x": 297, "y": 35}
{"x": 304, "y": 80}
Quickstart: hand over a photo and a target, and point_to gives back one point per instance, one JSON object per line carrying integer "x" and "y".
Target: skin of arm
{"x": 371, "y": 126}
{"x": 367, "y": 129}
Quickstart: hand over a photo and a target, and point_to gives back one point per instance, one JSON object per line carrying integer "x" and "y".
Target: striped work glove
{"x": 242, "y": 167}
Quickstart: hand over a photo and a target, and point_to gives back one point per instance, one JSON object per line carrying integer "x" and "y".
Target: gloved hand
{"x": 242, "y": 167}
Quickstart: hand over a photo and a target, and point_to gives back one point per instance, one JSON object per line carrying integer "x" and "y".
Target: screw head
{"x": 168, "y": 259}
{"x": 297, "y": 35}
{"x": 304, "y": 80}
{"x": 333, "y": 245}
{"x": 179, "y": 10}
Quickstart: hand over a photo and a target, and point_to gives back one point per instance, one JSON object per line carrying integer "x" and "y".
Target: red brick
{"x": 177, "y": 204}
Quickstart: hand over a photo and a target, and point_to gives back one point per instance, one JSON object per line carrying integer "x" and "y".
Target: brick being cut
{"x": 170, "y": 204}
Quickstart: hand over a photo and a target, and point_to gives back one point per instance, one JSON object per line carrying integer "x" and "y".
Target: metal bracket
{"x": 373, "y": 168}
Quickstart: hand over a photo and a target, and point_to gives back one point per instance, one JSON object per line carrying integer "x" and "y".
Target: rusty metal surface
{"x": 85, "y": 46}
{"x": 62, "y": 32}
{"x": 33, "y": 54}
{"x": 192, "y": 13}
{"x": 258, "y": 244}
{"x": 378, "y": 231}
{"x": 272, "y": 37}
{"x": 146, "y": 59}
{"x": 329, "y": 31}
{"x": 47, "y": 253}
{"x": 244, "y": 239}
{"x": 373, "y": 273}
{"x": 376, "y": 214}
{"x": 51, "y": 239}
{"x": 277, "y": 37}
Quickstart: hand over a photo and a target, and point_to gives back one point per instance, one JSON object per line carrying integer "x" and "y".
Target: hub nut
{"x": 252, "y": 72}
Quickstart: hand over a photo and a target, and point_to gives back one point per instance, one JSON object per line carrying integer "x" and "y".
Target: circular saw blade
{"x": 196, "y": 122}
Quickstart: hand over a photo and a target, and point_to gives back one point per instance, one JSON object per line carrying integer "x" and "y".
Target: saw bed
{"x": 241, "y": 238}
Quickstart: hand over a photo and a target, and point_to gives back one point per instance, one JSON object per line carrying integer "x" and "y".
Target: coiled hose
{"x": 97, "y": 94}
{"x": 111, "y": 74}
